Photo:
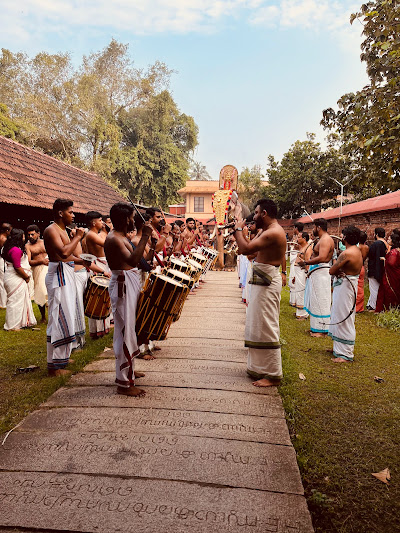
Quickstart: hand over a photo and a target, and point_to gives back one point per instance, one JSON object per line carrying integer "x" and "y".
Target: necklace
{"x": 63, "y": 230}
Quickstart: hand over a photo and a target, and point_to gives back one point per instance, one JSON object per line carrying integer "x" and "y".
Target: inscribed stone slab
{"x": 234, "y": 463}
{"x": 216, "y": 401}
{"x": 184, "y": 380}
{"x": 107, "y": 505}
{"x": 161, "y": 421}
{"x": 173, "y": 365}
{"x": 175, "y": 352}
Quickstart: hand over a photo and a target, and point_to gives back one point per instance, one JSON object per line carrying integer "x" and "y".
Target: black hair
{"x": 395, "y": 240}
{"x": 61, "y": 204}
{"x": 351, "y": 234}
{"x": 322, "y": 223}
{"x": 299, "y": 226}
{"x": 33, "y": 227}
{"x": 153, "y": 210}
{"x": 162, "y": 223}
{"x": 396, "y": 230}
{"x": 119, "y": 213}
{"x": 250, "y": 218}
{"x": 305, "y": 235}
{"x": 380, "y": 232}
{"x": 190, "y": 219}
{"x": 6, "y": 226}
{"x": 16, "y": 238}
{"x": 268, "y": 205}
{"x": 92, "y": 215}
{"x": 104, "y": 218}
{"x": 179, "y": 222}
{"x": 363, "y": 237}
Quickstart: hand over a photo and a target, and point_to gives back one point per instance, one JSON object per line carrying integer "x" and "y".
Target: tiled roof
{"x": 371, "y": 205}
{"x": 30, "y": 178}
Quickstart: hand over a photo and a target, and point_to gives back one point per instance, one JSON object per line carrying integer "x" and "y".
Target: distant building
{"x": 198, "y": 199}
{"x": 30, "y": 182}
{"x": 177, "y": 209}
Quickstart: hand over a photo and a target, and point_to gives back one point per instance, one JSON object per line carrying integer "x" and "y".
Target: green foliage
{"x": 106, "y": 116}
{"x": 8, "y": 127}
{"x": 303, "y": 179}
{"x": 198, "y": 172}
{"x": 368, "y": 121}
{"x": 250, "y": 186}
{"x": 389, "y": 319}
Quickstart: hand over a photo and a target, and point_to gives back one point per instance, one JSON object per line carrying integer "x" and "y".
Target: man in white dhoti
{"x": 38, "y": 261}
{"x": 317, "y": 298}
{"x": 19, "y": 312}
{"x": 347, "y": 268}
{"x": 5, "y": 230}
{"x": 124, "y": 292}
{"x": 61, "y": 287}
{"x": 94, "y": 240}
{"x": 262, "y": 320}
{"x": 293, "y": 252}
{"x": 300, "y": 274}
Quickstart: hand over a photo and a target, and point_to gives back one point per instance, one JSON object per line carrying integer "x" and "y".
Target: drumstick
{"x": 162, "y": 212}
{"x": 142, "y": 217}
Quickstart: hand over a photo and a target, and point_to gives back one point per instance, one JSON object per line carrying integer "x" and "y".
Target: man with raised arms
{"x": 38, "y": 260}
{"x": 124, "y": 291}
{"x": 347, "y": 268}
{"x": 61, "y": 287}
{"x": 262, "y": 320}
{"x": 317, "y": 298}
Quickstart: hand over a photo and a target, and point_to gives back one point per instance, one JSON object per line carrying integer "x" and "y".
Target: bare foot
{"x": 265, "y": 383}
{"x": 131, "y": 391}
{"x": 147, "y": 356}
{"x": 139, "y": 374}
{"x": 156, "y": 348}
{"x": 43, "y": 321}
{"x": 72, "y": 361}
{"x": 59, "y": 372}
{"x": 300, "y": 318}
{"x": 318, "y": 334}
{"x": 329, "y": 350}
{"x": 339, "y": 360}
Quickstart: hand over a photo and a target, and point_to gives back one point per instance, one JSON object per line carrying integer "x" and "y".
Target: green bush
{"x": 389, "y": 319}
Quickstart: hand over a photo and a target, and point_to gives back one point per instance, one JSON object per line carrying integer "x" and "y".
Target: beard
{"x": 315, "y": 233}
{"x": 259, "y": 223}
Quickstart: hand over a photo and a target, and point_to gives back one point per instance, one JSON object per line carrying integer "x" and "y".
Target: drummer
{"x": 124, "y": 291}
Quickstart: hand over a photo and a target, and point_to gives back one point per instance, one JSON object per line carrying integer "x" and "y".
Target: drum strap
{"x": 121, "y": 285}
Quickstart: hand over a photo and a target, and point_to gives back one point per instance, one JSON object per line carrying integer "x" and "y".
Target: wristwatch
{"x": 239, "y": 229}
{"x": 284, "y": 272}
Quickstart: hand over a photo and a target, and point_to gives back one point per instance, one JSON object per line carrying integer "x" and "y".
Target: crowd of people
{"x": 53, "y": 271}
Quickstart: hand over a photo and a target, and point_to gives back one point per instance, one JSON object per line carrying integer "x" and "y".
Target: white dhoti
{"x": 61, "y": 290}
{"x": 317, "y": 297}
{"x": 300, "y": 276}
{"x": 81, "y": 277}
{"x": 3, "y": 292}
{"x": 124, "y": 291}
{"x": 292, "y": 286}
{"x": 373, "y": 292}
{"x": 19, "y": 312}
{"x": 343, "y": 300}
{"x": 99, "y": 328}
{"x": 262, "y": 323}
{"x": 39, "y": 273}
{"x": 244, "y": 263}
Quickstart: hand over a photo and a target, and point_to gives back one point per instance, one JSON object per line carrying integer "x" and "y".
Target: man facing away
{"x": 95, "y": 239}
{"x": 124, "y": 291}
{"x": 262, "y": 320}
{"x": 293, "y": 252}
{"x": 317, "y": 298}
{"x": 346, "y": 269}
{"x": 376, "y": 266}
{"x": 38, "y": 260}
{"x": 61, "y": 287}
{"x": 5, "y": 230}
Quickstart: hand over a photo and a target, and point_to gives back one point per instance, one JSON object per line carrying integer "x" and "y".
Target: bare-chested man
{"x": 61, "y": 286}
{"x": 124, "y": 291}
{"x": 364, "y": 249}
{"x": 5, "y": 230}
{"x": 317, "y": 300}
{"x": 300, "y": 273}
{"x": 346, "y": 269}
{"x": 262, "y": 319}
{"x": 38, "y": 260}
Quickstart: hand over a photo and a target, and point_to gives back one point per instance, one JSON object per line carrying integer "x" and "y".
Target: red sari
{"x": 389, "y": 290}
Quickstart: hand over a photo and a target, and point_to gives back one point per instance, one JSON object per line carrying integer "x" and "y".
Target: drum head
{"x": 169, "y": 280}
{"x": 88, "y": 257}
{"x": 178, "y": 262}
{"x": 199, "y": 256}
{"x": 102, "y": 281}
{"x": 195, "y": 264}
{"x": 179, "y": 274}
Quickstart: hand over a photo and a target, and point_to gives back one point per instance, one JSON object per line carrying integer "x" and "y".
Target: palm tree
{"x": 198, "y": 172}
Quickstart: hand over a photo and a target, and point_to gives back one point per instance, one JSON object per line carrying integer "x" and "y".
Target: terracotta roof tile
{"x": 30, "y": 178}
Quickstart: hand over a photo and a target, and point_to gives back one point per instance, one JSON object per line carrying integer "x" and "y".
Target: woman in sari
{"x": 19, "y": 312}
{"x": 389, "y": 290}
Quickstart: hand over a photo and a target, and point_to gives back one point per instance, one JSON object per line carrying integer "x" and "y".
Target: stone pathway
{"x": 204, "y": 450}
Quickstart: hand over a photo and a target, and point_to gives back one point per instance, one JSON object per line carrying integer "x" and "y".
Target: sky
{"x": 254, "y": 74}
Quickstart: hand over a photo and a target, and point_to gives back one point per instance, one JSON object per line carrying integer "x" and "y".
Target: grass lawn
{"x": 20, "y": 394}
{"x": 344, "y": 425}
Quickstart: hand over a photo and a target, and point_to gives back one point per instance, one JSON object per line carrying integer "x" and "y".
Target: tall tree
{"x": 8, "y": 128}
{"x": 303, "y": 179}
{"x": 250, "y": 186}
{"x": 368, "y": 121}
{"x": 198, "y": 171}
